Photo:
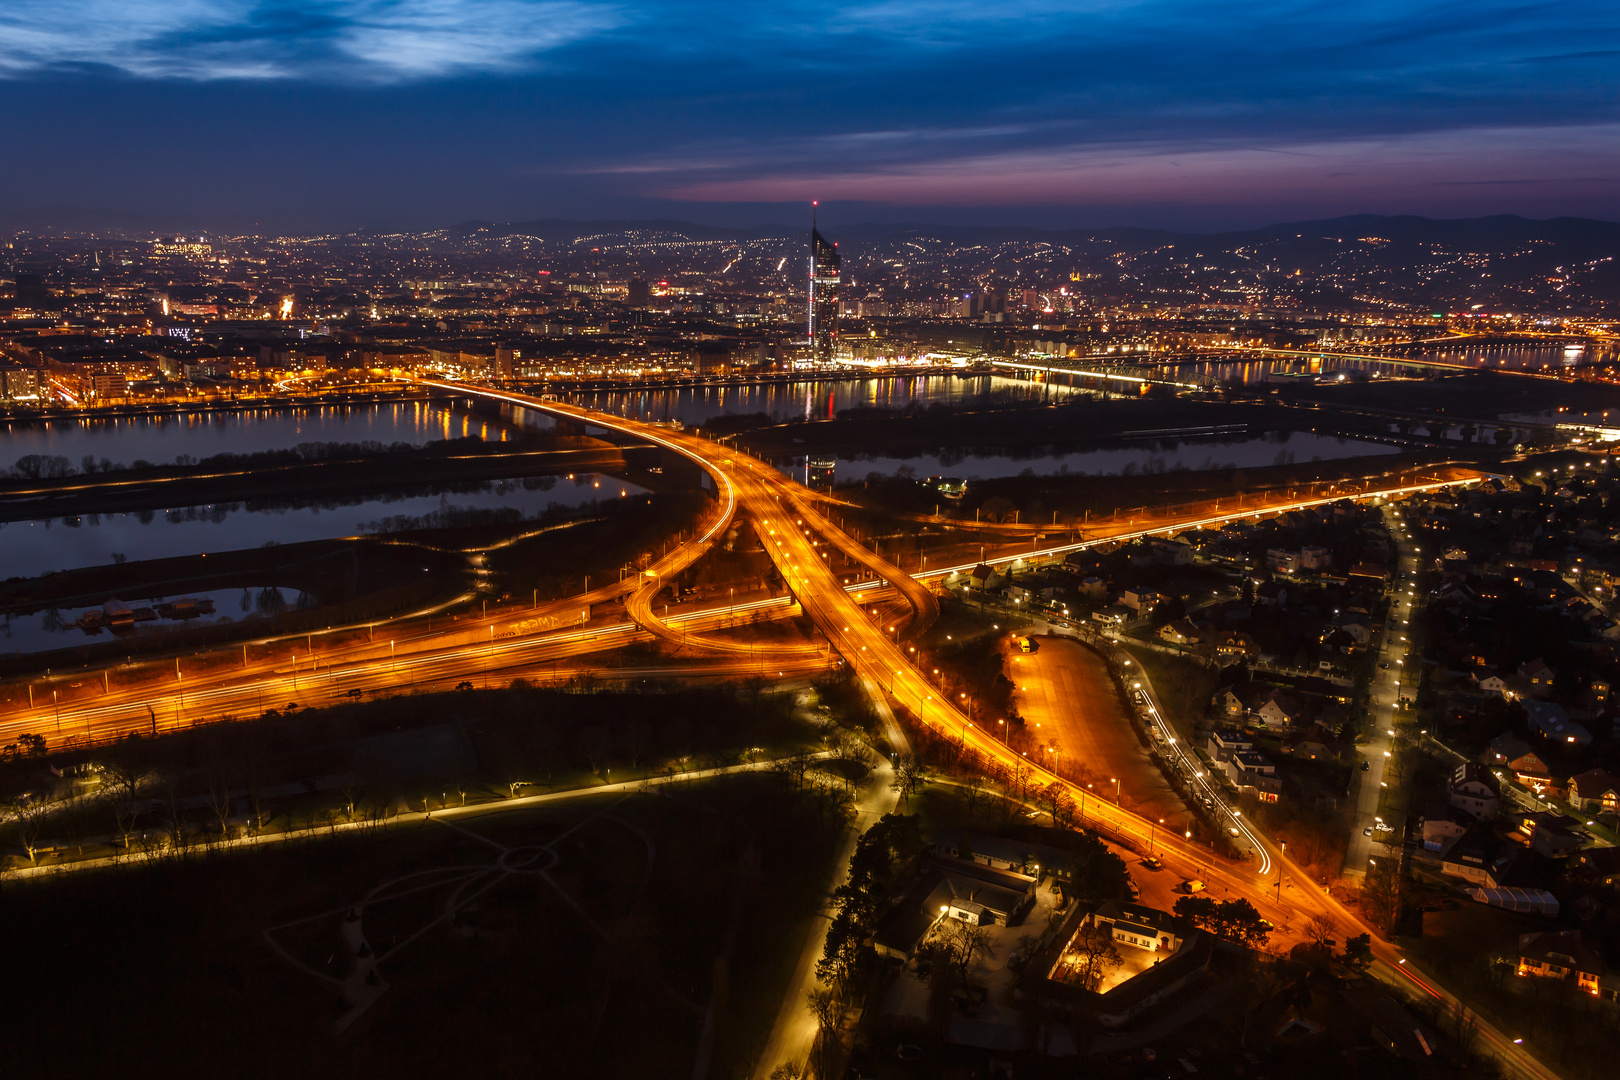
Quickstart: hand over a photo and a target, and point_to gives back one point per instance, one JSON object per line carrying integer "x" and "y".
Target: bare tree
{"x": 961, "y": 945}
{"x": 909, "y": 775}
{"x": 794, "y": 767}
{"x": 219, "y": 797}
{"x": 122, "y": 784}
{"x": 975, "y": 785}
{"x": 827, "y": 1052}
{"x": 752, "y": 686}
{"x": 29, "y": 815}
{"x": 1090, "y": 956}
{"x": 1054, "y": 798}
{"x": 218, "y": 775}
{"x": 1320, "y": 930}
{"x": 1381, "y": 893}
{"x": 593, "y": 742}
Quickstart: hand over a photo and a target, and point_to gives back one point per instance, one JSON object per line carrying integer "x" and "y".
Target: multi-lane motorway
{"x": 797, "y": 537}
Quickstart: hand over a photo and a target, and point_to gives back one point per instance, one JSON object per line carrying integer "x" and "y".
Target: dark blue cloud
{"x": 422, "y": 111}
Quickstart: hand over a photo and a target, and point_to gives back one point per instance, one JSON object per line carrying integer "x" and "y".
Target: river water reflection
{"x": 53, "y": 628}
{"x": 1156, "y": 456}
{"x": 160, "y": 439}
{"x": 32, "y": 548}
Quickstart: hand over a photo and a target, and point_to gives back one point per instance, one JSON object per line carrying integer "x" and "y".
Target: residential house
{"x": 1279, "y": 711}
{"x": 1282, "y": 561}
{"x": 1094, "y": 589}
{"x": 1479, "y": 856}
{"x": 1233, "y": 645}
{"x": 1595, "y": 791}
{"x": 1531, "y": 770}
{"x": 1355, "y": 624}
{"x": 1271, "y": 594}
{"x": 1475, "y": 789}
{"x": 1180, "y": 632}
{"x": 1504, "y": 748}
{"x": 1139, "y": 926}
{"x": 1315, "y": 558}
{"x": 953, "y": 889}
{"x": 1141, "y": 600}
{"x": 1223, "y": 743}
{"x": 1313, "y": 743}
{"x": 1112, "y": 615}
{"x": 1171, "y": 552}
{"x": 1442, "y": 824}
{"x": 1552, "y": 835}
{"x": 1018, "y": 594}
{"x": 1553, "y": 723}
{"x": 1248, "y": 769}
{"x": 983, "y": 577}
{"x": 1489, "y": 682}
{"x": 1566, "y": 955}
{"x": 1603, "y": 864}
{"x": 1540, "y": 676}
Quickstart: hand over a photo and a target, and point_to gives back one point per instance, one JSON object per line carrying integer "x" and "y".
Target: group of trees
{"x": 883, "y": 857}
{"x": 1230, "y": 920}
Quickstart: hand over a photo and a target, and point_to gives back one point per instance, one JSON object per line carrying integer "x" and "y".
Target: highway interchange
{"x": 800, "y": 541}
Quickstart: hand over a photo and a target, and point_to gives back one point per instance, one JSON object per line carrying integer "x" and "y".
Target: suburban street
{"x": 1382, "y": 698}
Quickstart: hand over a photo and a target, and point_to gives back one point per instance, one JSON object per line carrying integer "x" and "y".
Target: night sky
{"x": 421, "y": 113}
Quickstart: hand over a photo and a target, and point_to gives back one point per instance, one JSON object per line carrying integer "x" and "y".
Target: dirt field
{"x": 1064, "y": 688}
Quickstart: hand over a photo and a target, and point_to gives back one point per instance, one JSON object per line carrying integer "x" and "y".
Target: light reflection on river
{"x": 32, "y": 548}
{"x": 53, "y": 628}
{"x": 160, "y": 439}
{"x": 1164, "y": 455}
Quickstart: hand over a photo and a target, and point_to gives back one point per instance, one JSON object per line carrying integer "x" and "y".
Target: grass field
{"x": 589, "y": 937}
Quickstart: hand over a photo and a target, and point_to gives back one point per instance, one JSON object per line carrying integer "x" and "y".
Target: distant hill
{"x": 1496, "y": 263}
{"x": 1495, "y": 234}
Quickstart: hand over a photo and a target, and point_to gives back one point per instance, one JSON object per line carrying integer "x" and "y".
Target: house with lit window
{"x": 1595, "y": 791}
{"x": 1551, "y": 721}
{"x": 1180, "y": 632}
{"x": 1539, "y": 674}
{"x": 1475, "y": 789}
{"x": 1566, "y": 955}
{"x": 1279, "y": 711}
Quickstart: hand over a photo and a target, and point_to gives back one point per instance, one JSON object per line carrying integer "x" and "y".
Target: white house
{"x": 1475, "y": 789}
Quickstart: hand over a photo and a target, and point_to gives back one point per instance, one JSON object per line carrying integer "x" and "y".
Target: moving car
{"x": 1192, "y": 885}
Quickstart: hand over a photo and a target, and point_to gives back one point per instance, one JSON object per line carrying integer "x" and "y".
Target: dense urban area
{"x": 641, "y": 648}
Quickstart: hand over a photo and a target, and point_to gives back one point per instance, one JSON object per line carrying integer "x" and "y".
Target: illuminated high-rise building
{"x": 825, "y": 265}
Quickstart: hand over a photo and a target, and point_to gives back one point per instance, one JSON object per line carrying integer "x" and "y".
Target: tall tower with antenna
{"x": 825, "y": 267}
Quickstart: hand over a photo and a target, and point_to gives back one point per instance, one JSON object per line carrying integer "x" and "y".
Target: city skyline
{"x": 413, "y": 114}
